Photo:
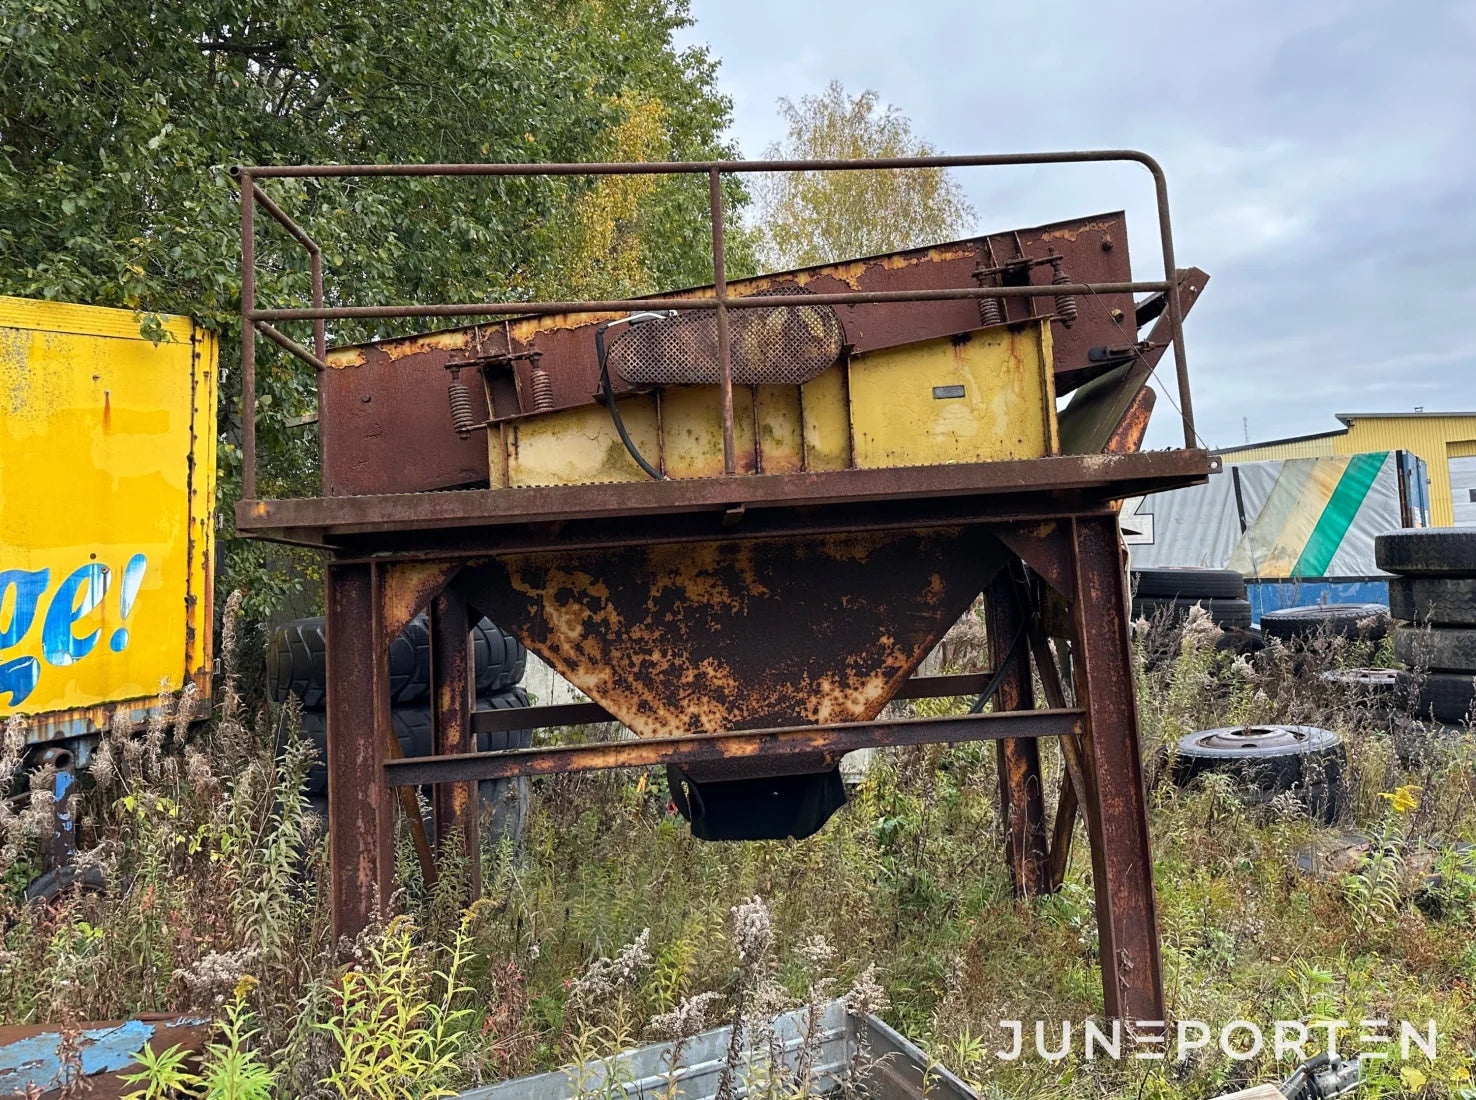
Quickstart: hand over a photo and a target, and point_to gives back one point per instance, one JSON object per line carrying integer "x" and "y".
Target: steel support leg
{"x": 1022, "y": 803}
{"x": 1116, "y": 810}
{"x": 452, "y": 687}
{"x": 360, "y": 805}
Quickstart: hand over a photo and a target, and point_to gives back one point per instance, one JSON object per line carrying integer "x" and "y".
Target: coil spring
{"x": 461, "y": 409}
{"x": 1065, "y": 303}
{"x": 991, "y": 310}
{"x": 543, "y": 390}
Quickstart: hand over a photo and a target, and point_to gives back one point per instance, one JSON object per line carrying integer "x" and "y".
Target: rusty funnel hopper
{"x": 701, "y": 637}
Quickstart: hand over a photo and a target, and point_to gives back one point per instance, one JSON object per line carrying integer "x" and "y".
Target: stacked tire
{"x": 1172, "y": 591}
{"x": 1433, "y": 595}
{"x": 1367, "y": 622}
{"x": 297, "y": 666}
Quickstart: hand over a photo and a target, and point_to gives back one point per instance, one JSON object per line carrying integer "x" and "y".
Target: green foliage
{"x": 119, "y": 120}
{"x": 164, "y": 1074}
{"x": 394, "y": 1038}
{"x": 232, "y": 1070}
{"x": 809, "y": 218}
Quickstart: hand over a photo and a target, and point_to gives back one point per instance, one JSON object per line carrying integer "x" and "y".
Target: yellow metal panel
{"x": 107, "y": 480}
{"x": 827, "y": 421}
{"x": 692, "y": 431}
{"x": 781, "y": 442}
{"x": 976, "y": 397}
{"x": 579, "y": 445}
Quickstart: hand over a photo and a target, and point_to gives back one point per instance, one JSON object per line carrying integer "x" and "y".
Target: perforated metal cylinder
{"x": 769, "y": 346}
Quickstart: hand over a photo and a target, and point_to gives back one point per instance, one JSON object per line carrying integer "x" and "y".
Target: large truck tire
{"x": 1439, "y": 601}
{"x": 1185, "y": 582}
{"x": 1268, "y": 760}
{"x": 1225, "y": 613}
{"x": 1428, "y": 552}
{"x": 1382, "y": 687}
{"x": 1440, "y": 648}
{"x": 1365, "y": 621}
{"x": 297, "y": 661}
{"x": 1446, "y": 697}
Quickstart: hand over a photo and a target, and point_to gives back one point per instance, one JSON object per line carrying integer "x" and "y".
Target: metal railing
{"x": 254, "y": 320}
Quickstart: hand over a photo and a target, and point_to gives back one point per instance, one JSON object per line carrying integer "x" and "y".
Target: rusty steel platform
{"x": 749, "y": 627}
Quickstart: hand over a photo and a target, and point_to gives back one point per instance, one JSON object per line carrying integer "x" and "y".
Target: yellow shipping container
{"x": 107, "y": 486}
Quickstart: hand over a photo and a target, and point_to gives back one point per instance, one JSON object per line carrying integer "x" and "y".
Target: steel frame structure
{"x": 394, "y": 555}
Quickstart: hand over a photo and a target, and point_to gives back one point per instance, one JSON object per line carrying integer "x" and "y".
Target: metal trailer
{"x": 1301, "y": 530}
{"x": 751, "y": 608}
{"x": 107, "y": 492}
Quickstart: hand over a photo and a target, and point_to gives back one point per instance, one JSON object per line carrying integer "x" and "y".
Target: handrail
{"x": 254, "y": 320}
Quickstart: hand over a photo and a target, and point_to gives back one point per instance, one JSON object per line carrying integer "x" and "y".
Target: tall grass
{"x": 610, "y": 925}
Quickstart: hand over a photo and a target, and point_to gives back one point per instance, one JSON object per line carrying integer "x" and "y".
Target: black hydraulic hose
{"x": 999, "y": 673}
{"x": 614, "y": 409}
{"x": 1010, "y": 656}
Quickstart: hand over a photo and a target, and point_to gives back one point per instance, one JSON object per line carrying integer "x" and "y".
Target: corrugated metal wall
{"x": 1436, "y": 439}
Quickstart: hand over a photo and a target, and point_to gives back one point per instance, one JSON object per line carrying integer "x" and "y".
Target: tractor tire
{"x": 1267, "y": 760}
{"x": 505, "y": 739}
{"x": 506, "y": 800}
{"x": 413, "y": 729}
{"x": 1440, "y": 648}
{"x": 1364, "y": 621}
{"x": 1183, "y": 582}
{"x": 1440, "y": 601}
{"x": 297, "y": 661}
{"x": 1428, "y": 552}
{"x": 1446, "y": 697}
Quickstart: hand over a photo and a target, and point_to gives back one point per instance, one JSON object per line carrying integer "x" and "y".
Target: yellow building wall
{"x": 1318, "y": 447}
{"x": 1436, "y": 439}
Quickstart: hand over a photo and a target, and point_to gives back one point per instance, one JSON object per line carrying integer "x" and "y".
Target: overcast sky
{"x": 1321, "y": 160}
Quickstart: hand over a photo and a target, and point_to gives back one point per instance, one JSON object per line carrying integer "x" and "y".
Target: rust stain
{"x": 1071, "y": 232}
{"x": 409, "y": 587}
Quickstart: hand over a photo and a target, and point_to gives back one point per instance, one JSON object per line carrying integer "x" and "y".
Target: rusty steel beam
{"x": 452, "y": 685}
{"x": 1117, "y": 811}
{"x": 511, "y": 309}
{"x": 361, "y": 853}
{"x": 582, "y": 714}
{"x": 248, "y": 334}
{"x": 1094, "y": 416}
{"x": 1021, "y": 799}
{"x": 1109, "y": 476}
{"x": 720, "y": 300}
{"x": 831, "y": 741}
{"x": 286, "y": 342}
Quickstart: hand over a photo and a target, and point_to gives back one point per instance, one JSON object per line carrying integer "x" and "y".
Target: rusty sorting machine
{"x": 739, "y": 517}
